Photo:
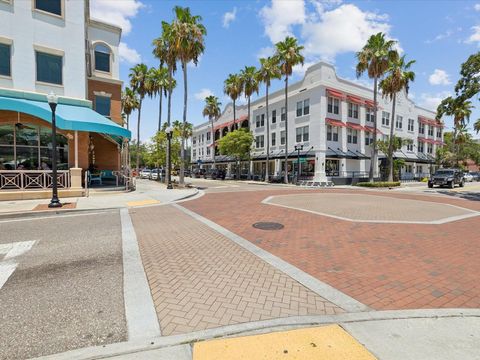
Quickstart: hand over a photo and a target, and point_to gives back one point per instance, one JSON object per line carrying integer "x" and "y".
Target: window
{"x": 333, "y": 106}
{"x": 368, "y": 138}
{"x": 420, "y": 147}
{"x": 439, "y": 133}
{"x": 102, "y": 105}
{"x": 50, "y": 6}
{"x": 302, "y": 134}
{"x": 194, "y": 154}
{"x": 369, "y": 114}
{"x": 5, "y": 60}
{"x": 303, "y": 107}
{"x": 299, "y": 108}
{"x": 353, "y": 110}
{"x": 399, "y": 122}
{"x": 284, "y": 114}
{"x": 410, "y": 147}
{"x": 352, "y": 136}
{"x": 282, "y": 137}
{"x": 203, "y": 137}
{"x": 421, "y": 128}
{"x": 194, "y": 140}
{"x": 332, "y": 133}
{"x": 430, "y": 148}
{"x": 274, "y": 116}
{"x": 430, "y": 130}
{"x": 259, "y": 141}
{"x": 209, "y": 134}
{"x": 102, "y": 58}
{"x": 49, "y": 68}
{"x": 208, "y": 151}
{"x": 411, "y": 125}
{"x": 262, "y": 120}
{"x": 274, "y": 139}
{"x": 385, "y": 118}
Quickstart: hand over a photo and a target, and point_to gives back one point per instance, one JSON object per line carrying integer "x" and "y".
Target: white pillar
{"x": 76, "y": 149}
{"x": 320, "y": 167}
{"x": 229, "y": 169}
{"x": 277, "y": 167}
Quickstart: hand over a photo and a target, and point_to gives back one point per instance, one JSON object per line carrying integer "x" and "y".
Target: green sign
{"x": 303, "y": 160}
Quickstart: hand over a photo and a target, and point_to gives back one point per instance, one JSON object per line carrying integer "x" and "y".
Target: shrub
{"x": 379, "y": 184}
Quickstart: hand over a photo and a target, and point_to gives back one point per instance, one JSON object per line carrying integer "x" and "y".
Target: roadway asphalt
{"x": 67, "y": 290}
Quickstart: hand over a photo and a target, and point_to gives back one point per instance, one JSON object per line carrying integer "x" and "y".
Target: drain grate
{"x": 268, "y": 226}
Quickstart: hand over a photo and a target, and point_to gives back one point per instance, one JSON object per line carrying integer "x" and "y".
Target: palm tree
{"x": 212, "y": 110}
{"x": 188, "y": 44}
{"x": 233, "y": 88}
{"x": 268, "y": 70}
{"x": 476, "y": 126}
{"x": 375, "y": 58}
{"x": 138, "y": 77}
{"x": 156, "y": 84}
{"x": 288, "y": 54}
{"x": 399, "y": 77}
{"x": 249, "y": 84}
{"x": 460, "y": 109}
{"x": 129, "y": 103}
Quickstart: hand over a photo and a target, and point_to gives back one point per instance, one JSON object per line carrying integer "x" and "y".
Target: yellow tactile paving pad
{"x": 325, "y": 343}
{"x": 142, "y": 202}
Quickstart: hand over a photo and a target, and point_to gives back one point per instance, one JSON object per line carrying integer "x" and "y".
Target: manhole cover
{"x": 268, "y": 226}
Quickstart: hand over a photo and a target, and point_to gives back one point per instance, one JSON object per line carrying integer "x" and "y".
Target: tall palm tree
{"x": 129, "y": 103}
{"x": 288, "y": 54}
{"x": 269, "y": 70}
{"x": 233, "y": 88}
{"x": 138, "y": 77}
{"x": 249, "y": 84}
{"x": 461, "y": 110}
{"x": 156, "y": 84}
{"x": 476, "y": 126}
{"x": 189, "y": 44}
{"x": 399, "y": 78}
{"x": 375, "y": 58}
{"x": 212, "y": 110}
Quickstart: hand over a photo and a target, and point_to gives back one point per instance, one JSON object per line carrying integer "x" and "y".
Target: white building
{"x": 333, "y": 119}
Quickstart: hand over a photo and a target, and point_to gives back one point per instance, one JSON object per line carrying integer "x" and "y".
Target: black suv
{"x": 215, "y": 174}
{"x": 447, "y": 177}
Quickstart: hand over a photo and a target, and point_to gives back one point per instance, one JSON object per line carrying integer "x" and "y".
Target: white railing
{"x": 32, "y": 179}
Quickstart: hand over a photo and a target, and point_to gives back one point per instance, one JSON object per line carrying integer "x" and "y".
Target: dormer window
{"x": 102, "y": 58}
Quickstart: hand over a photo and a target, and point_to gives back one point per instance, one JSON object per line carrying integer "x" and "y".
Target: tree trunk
{"x": 128, "y": 143}
{"x": 234, "y": 115}
{"x": 286, "y": 129}
{"x": 138, "y": 135}
{"x": 373, "y": 157}
{"x": 160, "y": 110}
{"x": 268, "y": 135}
{"x": 249, "y": 162}
{"x": 390, "y": 143}
{"x": 128, "y": 121}
{"x": 169, "y": 114}
{"x": 182, "y": 149}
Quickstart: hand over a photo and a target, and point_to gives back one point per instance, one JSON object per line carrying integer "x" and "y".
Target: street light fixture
{"x": 169, "y": 132}
{"x": 55, "y": 202}
{"x": 298, "y": 148}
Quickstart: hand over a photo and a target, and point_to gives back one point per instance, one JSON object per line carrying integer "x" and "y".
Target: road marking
{"x": 142, "y": 321}
{"x": 11, "y": 250}
{"x": 142, "y": 202}
{"x": 325, "y": 342}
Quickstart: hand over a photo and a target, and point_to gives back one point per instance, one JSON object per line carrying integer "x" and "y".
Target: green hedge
{"x": 379, "y": 184}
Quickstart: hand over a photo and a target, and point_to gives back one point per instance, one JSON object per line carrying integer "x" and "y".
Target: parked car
{"x": 145, "y": 173}
{"x": 187, "y": 173}
{"x": 476, "y": 175}
{"x": 468, "y": 177}
{"x": 215, "y": 174}
{"x": 198, "y": 173}
{"x": 156, "y": 172}
{"x": 447, "y": 177}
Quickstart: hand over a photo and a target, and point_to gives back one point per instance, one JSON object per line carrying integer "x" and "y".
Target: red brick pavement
{"x": 385, "y": 266}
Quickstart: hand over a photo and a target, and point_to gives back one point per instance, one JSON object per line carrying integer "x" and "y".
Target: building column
{"x": 76, "y": 149}
{"x": 229, "y": 169}
{"x": 276, "y": 171}
{"x": 320, "y": 167}
{"x": 251, "y": 169}
{"x": 342, "y": 167}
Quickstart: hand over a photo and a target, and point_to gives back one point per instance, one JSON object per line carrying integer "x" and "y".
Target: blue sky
{"x": 439, "y": 35}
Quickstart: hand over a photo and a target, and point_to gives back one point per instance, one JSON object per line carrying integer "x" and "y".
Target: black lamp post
{"x": 55, "y": 202}
{"x": 169, "y": 132}
{"x": 298, "y": 148}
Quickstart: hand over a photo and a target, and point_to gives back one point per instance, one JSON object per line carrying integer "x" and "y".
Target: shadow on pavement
{"x": 467, "y": 195}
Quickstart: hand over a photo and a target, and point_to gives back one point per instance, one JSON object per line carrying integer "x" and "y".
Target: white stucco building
{"x": 333, "y": 119}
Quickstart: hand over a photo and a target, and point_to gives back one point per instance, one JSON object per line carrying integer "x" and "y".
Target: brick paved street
{"x": 385, "y": 266}
{"x": 200, "y": 279}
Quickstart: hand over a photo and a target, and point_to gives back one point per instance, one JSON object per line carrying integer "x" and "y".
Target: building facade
{"x": 333, "y": 119}
{"x": 53, "y": 46}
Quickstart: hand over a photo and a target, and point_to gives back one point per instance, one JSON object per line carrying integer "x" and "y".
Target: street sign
{"x": 303, "y": 160}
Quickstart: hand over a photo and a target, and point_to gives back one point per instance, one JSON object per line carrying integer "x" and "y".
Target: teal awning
{"x": 68, "y": 116}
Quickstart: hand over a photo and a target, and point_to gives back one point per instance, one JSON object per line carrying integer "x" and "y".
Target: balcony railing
{"x": 32, "y": 179}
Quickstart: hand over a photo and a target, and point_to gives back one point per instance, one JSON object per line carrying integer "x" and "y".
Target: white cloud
{"x": 202, "y": 94}
{"x": 343, "y": 29}
{"x": 477, "y": 7}
{"x": 475, "y": 37}
{"x": 300, "y": 69}
{"x": 439, "y": 77}
{"x": 431, "y": 101}
{"x": 441, "y": 36}
{"x": 128, "y": 55}
{"x": 229, "y": 17}
{"x": 280, "y": 17}
{"x": 265, "y": 52}
{"x": 116, "y": 12}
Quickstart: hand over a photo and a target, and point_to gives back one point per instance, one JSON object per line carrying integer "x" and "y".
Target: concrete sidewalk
{"x": 147, "y": 193}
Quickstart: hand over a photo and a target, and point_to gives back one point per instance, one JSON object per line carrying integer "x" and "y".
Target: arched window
{"x": 102, "y": 57}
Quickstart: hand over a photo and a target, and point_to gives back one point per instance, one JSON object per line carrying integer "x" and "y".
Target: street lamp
{"x": 52, "y": 101}
{"x": 298, "y": 148}
{"x": 169, "y": 132}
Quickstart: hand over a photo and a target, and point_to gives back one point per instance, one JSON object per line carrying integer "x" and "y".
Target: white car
{"x": 145, "y": 173}
{"x": 468, "y": 177}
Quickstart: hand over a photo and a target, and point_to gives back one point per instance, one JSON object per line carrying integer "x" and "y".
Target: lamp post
{"x": 169, "y": 132}
{"x": 298, "y": 148}
{"x": 55, "y": 202}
